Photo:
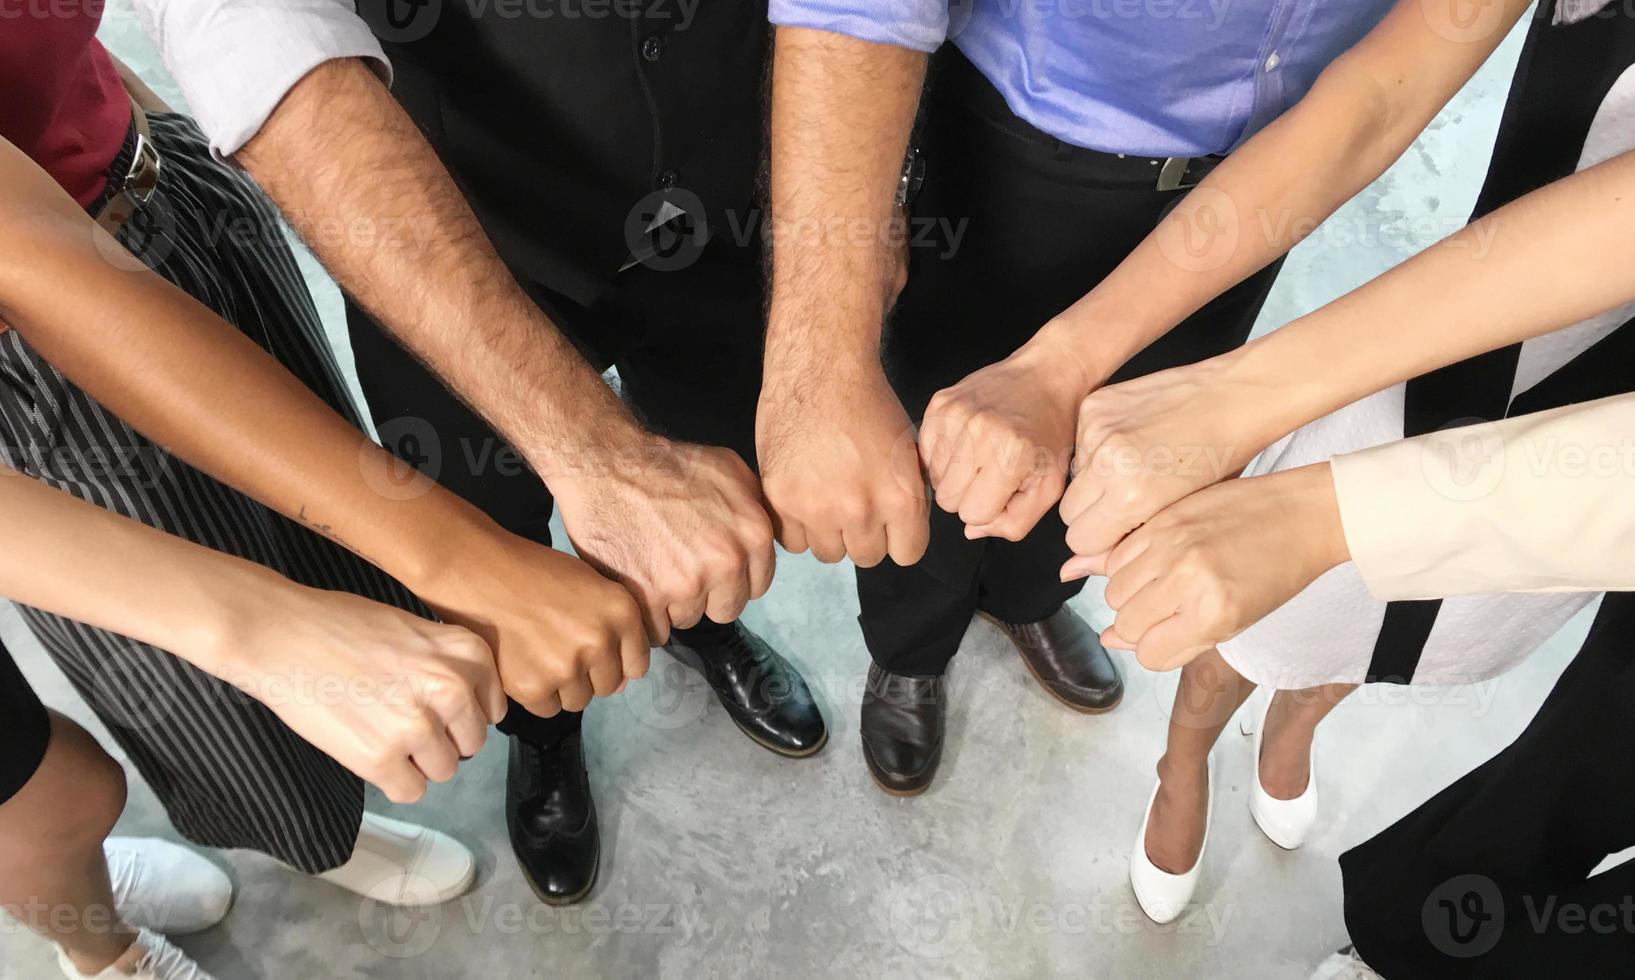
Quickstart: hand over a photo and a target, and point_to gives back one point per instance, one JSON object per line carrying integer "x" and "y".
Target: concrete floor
{"x": 723, "y": 860}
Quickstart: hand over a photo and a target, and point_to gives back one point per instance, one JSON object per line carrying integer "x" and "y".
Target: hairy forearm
{"x": 1479, "y": 290}
{"x": 77, "y": 560}
{"x": 842, "y": 111}
{"x": 191, "y": 383}
{"x": 340, "y": 152}
{"x": 1363, "y": 112}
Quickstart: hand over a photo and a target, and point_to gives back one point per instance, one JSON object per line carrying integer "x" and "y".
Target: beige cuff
{"x": 1537, "y": 503}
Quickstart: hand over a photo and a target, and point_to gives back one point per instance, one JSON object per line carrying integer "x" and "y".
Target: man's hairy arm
{"x": 842, "y": 111}
{"x": 681, "y": 526}
{"x": 836, "y": 449}
{"x": 339, "y": 151}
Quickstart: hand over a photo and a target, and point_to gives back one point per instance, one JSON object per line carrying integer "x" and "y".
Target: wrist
{"x": 1314, "y": 499}
{"x": 221, "y": 615}
{"x": 1062, "y": 365}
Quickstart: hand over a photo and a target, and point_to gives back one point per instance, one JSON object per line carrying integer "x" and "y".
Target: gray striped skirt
{"x": 229, "y": 773}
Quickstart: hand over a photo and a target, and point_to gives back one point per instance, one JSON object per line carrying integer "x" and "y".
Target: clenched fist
{"x": 1146, "y": 443}
{"x": 418, "y": 695}
{"x": 996, "y": 445}
{"x": 840, "y": 468}
{"x": 681, "y": 526}
{"x": 561, "y": 633}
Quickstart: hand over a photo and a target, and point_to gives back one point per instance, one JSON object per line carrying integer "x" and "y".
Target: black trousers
{"x": 1010, "y": 227}
{"x": 687, "y": 346}
{"x": 1490, "y": 877}
{"x": 25, "y": 729}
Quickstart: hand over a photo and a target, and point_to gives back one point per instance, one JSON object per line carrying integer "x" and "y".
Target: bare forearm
{"x": 1363, "y": 112}
{"x": 842, "y": 110}
{"x": 191, "y": 383}
{"x": 340, "y": 152}
{"x": 76, "y": 560}
{"x": 1477, "y": 291}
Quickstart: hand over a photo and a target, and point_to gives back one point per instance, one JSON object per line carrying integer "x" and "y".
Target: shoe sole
{"x": 556, "y": 901}
{"x": 890, "y": 790}
{"x": 777, "y": 749}
{"x": 1082, "y": 709}
{"x": 901, "y": 794}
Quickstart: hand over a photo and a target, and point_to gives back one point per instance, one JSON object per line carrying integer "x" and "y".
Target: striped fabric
{"x": 229, "y": 772}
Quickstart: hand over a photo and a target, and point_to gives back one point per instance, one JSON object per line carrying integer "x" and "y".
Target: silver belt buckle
{"x": 143, "y": 177}
{"x": 1172, "y": 175}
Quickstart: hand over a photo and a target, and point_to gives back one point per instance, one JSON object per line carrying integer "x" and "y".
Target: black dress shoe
{"x": 552, "y": 819}
{"x": 764, "y": 694}
{"x": 1066, "y": 657}
{"x": 903, "y": 722}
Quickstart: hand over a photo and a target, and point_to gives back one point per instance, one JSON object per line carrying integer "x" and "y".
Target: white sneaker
{"x": 166, "y": 887}
{"x": 1164, "y": 896}
{"x": 404, "y": 865}
{"x": 1286, "y": 822}
{"x": 160, "y": 961}
{"x": 1345, "y": 965}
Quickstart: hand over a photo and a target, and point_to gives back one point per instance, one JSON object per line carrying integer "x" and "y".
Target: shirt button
{"x": 653, "y": 48}
{"x": 1272, "y": 61}
{"x": 668, "y": 179}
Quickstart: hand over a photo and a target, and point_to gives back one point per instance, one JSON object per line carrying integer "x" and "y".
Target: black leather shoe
{"x": 552, "y": 819}
{"x": 903, "y": 722}
{"x": 1066, "y": 657}
{"x": 764, "y": 694}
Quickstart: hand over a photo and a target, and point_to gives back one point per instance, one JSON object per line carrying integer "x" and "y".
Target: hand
{"x": 996, "y": 445}
{"x": 1146, "y": 443}
{"x": 560, "y": 632}
{"x": 840, "y": 469}
{"x": 681, "y": 526}
{"x": 1209, "y": 567}
{"x": 394, "y": 698}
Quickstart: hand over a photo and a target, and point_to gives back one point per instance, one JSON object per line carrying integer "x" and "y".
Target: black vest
{"x": 559, "y": 118}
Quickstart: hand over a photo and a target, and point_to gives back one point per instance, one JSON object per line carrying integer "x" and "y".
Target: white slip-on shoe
{"x": 405, "y": 865}
{"x": 166, "y": 887}
{"x": 1286, "y": 822}
{"x": 1345, "y": 965}
{"x": 1164, "y": 896}
{"x": 160, "y": 961}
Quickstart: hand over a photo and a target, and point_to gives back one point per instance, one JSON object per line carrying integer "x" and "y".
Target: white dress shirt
{"x": 236, "y": 59}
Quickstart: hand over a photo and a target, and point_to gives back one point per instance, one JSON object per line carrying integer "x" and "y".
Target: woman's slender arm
{"x": 1016, "y": 417}
{"x": 191, "y": 383}
{"x": 1535, "y": 503}
{"x": 419, "y": 695}
{"x": 1548, "y": 260}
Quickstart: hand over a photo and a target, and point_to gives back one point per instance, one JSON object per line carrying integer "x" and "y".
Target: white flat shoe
{"x": 405, "y": 865}
{"x": 1164, "y": 896}
{"x": 160, "y": 961}
{"x": 166, "y": 887}
{"x": 1286, "y": 822}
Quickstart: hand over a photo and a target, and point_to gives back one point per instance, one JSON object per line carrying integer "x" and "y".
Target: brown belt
{"x": 135, "y": 188}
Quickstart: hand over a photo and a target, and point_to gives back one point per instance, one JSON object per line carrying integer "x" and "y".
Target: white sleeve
{"x": 1535, "y": 503}
{"x": 236, "y": 59}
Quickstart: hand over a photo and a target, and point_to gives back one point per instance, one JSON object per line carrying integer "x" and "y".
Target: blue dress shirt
{"x": 1149, "y": 77}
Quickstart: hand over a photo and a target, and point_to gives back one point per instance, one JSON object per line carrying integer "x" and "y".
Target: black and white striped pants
{"x": 229, "y": 773}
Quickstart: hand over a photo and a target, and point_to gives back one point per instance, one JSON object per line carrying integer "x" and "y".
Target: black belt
{"x": 134, "y": 175}
{"x": 955, "y": 76}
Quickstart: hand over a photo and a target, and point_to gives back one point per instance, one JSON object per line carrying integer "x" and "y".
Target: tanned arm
{"x": 838, "y": 458}
{"x": 681, "y": 526}
{"x": 179, "y": 375}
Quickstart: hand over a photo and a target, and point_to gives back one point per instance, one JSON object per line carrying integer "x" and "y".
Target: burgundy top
{"x": 63, "y": 102}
